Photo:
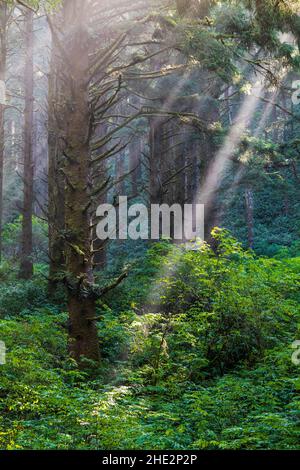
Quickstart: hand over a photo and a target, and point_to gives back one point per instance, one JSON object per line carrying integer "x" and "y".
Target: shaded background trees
{"x": 181, "y": 103}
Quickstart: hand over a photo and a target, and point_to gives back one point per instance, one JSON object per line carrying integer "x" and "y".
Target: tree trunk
{"x": 3, "y": 51}
{"x": 81, "y": 304}
{"x": 56, "y": 216}
{"x": 156, "y": 155}
{"x": 99, "y": 175}
{"x": 26, "y": 268}
{"x": 249, "y": 216}
{"x": 135, "y": 164}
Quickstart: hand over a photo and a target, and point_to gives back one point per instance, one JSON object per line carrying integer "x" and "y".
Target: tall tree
{"x": 91, "y": 83}
{"x": 56, "y": 182}
{"x": 3, "y": 52}
{"x": 26, "y": 267}
{"x": 77, "y": 132}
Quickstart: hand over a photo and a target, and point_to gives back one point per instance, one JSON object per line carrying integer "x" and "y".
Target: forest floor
{"x": 221, "y": 378}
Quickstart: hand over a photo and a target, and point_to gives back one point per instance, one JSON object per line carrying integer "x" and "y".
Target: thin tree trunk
{"x": 120, "y": 172}
{"x": 99, "y": 246}
{"x": 135, "y": 164}
{"x": 156, "y": 156}
{"x": 56, "y": 214}
{"x": 26, "y": 268}
{"x": 250, "y": 216}
{"x": 100, "y": 174}
{"x": 3, "y": 51}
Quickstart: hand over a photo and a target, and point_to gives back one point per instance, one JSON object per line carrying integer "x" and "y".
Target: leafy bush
{"x": 193, "y": 358}
{"x": 19, "y": 296}
{"x": 216, "y": 312}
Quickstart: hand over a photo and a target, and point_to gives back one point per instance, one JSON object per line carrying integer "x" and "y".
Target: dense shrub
{"x": 197, "y": 357}
{"x": 18, "y": 296}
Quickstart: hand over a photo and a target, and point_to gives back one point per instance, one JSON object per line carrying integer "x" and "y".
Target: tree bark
{"x": 81, "y": 304}
{"x": 26, "y": 268}
{"x": 56, "y": 216}
{"x": 156, "y": 155}
{"x": 3, "y": 52}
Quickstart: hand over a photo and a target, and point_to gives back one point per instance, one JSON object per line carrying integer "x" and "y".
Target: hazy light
{"x": 230, "y": 146}
{"x": 215, "y": 173}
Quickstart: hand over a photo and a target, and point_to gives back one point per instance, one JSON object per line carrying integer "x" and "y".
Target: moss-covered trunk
{"x": 77, "y": 115}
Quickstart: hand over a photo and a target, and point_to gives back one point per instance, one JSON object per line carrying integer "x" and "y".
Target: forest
{"x": 112, "y": 337}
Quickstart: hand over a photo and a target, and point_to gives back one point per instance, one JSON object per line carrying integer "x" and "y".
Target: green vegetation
{"x": 212, "y": 370}
{"x": 168, "y": 343}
